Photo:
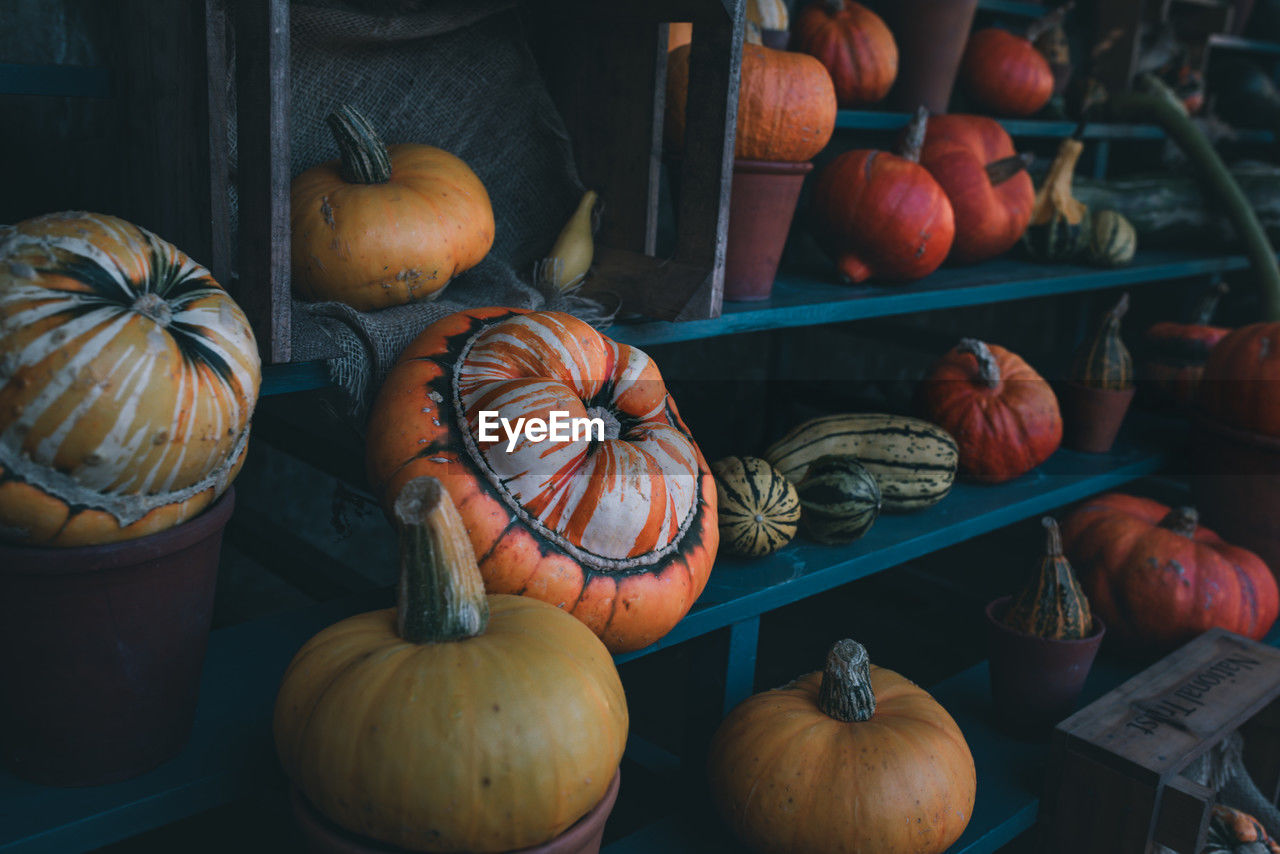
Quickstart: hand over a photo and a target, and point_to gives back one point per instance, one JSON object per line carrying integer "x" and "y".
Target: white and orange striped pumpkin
{"x": 620, "y": 532}
{"x": 127, "y": 380}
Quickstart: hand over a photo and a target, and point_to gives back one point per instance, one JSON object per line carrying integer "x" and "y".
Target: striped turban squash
{"x": 621, "y": 531}
{"x": 127, "y": 380}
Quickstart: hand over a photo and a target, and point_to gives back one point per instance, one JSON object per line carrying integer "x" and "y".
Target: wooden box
{"x": 1114, "y": 782}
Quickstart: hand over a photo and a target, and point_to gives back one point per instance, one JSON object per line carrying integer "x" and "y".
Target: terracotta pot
{"x": 325, "y": 837}
{"x": 1236, "y": 486}
{"x": 931, "y": 36}
{"x": 1035, "y": 681}
{"x": 1091, "y": 417}
{"x": 761, "y": 205}
{"x": 101, "y": 649}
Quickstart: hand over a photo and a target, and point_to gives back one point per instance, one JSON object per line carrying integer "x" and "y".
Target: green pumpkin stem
{"x": 441, "y": 596}
{"x": 1103, "y": 361}
{"x": 913, "y": 139}
{"x": 1052, "y": 604}
{"x": 1203, "y": 315}
{"x": 365, "y": 159}
{"x": 846, "y": 693}
{"x": 1182, "y": 520}
{"x": 999, "y": 171}
{"x": 988, "y": 368}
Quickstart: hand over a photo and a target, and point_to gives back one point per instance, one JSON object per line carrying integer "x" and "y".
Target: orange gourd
{"x": 855, "y": 46}
{"x": 384, "y": 226}
{"x": 1004, "y": 73}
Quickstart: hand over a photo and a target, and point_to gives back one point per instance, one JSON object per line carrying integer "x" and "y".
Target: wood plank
{"x": 220, "y": 262}
{"x": 55, "y": 81}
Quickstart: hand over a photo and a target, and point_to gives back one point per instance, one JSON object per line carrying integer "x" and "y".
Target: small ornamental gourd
{"x": 839, "y": 500}
{"x": 1112, "y": 240}
{"x": 566, "y": 267}
{"x": 455, "y": 721}
{"x": 913, "y": 461}
{"x": 1060, "y": 227}
{"x": 758, "y": 507}
{"x": 1003, "y": 415}
{"x": 1241, "y": 377}
{"x": 881, "y": 215}
{"x": 1158, "y": 579}
{"x": 1176, "y": 352}
{"x": 853, "y": 43}
{"x": 1102, "y": 361}
{"x": 1053, "y": 604}
{"x": 1232, "y": 831}
{"x": 384, "y": 225}
{"x": 128, "y": 378}
{"x": 853, "y": 758}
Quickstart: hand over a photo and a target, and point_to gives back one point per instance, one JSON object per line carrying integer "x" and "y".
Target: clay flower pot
{"x": 931, "y": 37}
{"x": 1091, "y": 417}
{"x": 1236, "y": 486}
{"x": 1035, "y": 681}
{"x": 101, "y": 649}
{"x": 761, "y": 206}
{"x": 325, "y": 837}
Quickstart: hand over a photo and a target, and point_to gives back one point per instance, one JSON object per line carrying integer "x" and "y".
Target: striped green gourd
{"x": 759, "y": 509}
{"x": 1060, "y": 225}
{"x": 1053, "y": 604}
{"x": 913, "y": 461}
{"x": 1102, "y": 361}
{"x": 1112, "y": 241}
{"x": 839, "y": 499}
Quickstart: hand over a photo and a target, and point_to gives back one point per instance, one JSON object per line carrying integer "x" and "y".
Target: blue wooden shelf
{"x": 1013, "y": 7}
{"x": 875, "y": 120}
{"x": 77, "y": 81}
{"x": 230, "y": 755}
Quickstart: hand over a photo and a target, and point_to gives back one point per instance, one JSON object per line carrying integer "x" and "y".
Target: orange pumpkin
{"x": 1004, "y": 73}
{"x": 786, "y": 104}
{"x": 621, "y": 532}
{"x": 127, "y": 380}
{"x": 385, "y": 226}
{"x": 1241, "y": 377}
{"x": 853, "y": 759}
{"x": 855, "y": 46}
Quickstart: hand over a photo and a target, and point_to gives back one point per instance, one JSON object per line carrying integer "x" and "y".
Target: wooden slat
{"x": 57, "y": 81}
{"x": 262, "y": 104}
{"x": 220, "y": 262}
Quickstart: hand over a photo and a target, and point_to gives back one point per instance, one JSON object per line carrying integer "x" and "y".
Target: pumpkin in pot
{"x": 1240, "y": 379}
{"x": 758, "y": 507}
{"x": 1157, "y": 578}
{"x": 882, "y": 215}
{"x": 621, "y": 533}
{"x": 1102, "y": 361}
{"x": 1052, "y": 604}
{"x": 786, "y": 104}
{"x": 855, "y": 46}
{"x": 384, "y": 226}
{"x": 128, "y": 378}
{"x": 517, "y": 737}
{"x": 1004, "y": 73}
{"x": 972, "y": 158}
{"x": 1003, "y": 415}
{"x": 853, "y": 758}
{"x": 1176, "y": 352}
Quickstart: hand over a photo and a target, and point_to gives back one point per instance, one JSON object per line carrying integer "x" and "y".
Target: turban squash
{"x": 127, "y": 380}
{"x": 621, "y": 532}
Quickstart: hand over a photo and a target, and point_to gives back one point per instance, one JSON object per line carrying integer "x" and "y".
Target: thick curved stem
{"x": 441, "y": 596}
{"x": 846, "y": 692}
{"x": 999, "y": 171}
{"x": 1181, "y": 520}
{"x": 988, "y": 368}
{"x": 365, "y": 159}
{"x": 913, "y": 140}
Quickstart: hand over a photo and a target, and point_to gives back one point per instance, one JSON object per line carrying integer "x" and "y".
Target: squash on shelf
{"x": 1238, "y": 387}
{"x": 1003, "y": 72}
{"x": 759, "y": 509}
{"x": 839, "y": 500}
{"x": 1112, "y": 240}
{"x": 854, "y": 45}
{"x": 1103, "y": 361}
{"x": 519, "y": 735}
{"x": 1061, "y": 227}
{"x": 1176, "y": 352}
{"x": 1052, "y": 604}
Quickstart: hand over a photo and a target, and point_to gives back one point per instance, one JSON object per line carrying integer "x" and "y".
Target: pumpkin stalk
{"x": 1182, "y": 520}
{"x": 365, "y": 159}
{"x": 846, "y": 692}
{"x": 913, "y": 140}
{"x": 988, "y": 369}
{"x": 441, "y": 595}
{"x": 999, "y": 171}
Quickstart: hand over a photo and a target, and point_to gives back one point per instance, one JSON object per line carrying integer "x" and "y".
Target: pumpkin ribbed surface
{"x": 1004, "y": 73}
{"x": 758, "y": 507}
{"x": 129, "y": 379}
{"x": 1240, "y": 379}
{"x": 853, "y": 43}
{"x": 621, "y": 532}
{"x": 1112, "y": 240}
{"x": 839, "y": 500}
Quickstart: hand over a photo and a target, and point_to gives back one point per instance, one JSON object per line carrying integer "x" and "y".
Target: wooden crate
{"x": 1114, "y": 783}
{"x": 607, "y": 74}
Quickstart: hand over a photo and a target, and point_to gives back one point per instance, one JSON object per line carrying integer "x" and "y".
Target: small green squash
{"x": 1113, "y": 241}
{"x": 839, "y": 500}
{"x": 1102, "y": 360}
{"x": 1053, "y": 604}
{"x": 759, "y": 509}
{"x": 1060, "y": 228}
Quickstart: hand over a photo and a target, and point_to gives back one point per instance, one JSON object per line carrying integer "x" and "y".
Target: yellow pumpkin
{"x": 455, "y": 721}
{"x": 384, "y": 226}
{"x": 853, "y": 759}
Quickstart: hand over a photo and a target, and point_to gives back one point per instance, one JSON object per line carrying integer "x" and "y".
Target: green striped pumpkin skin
{"x": 913, "y": 461}
{"x": 1058, "y": 239}
{"x": 839, "y": 500}
{"x": 1112, "y": 240}
{"x": 1053, "y": 604}
{"x": 1103, "y": 361}
{"x": 758, "y": 507}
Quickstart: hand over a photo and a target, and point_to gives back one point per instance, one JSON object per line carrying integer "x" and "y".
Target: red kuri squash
{"x": 855, "y": 46}
{"x": 1004, "y": 73}
{"x": 1241, "y": 378}
{"x": 1003, "y": 415}
{"x": 972, "y": 158}
{"x": 1158, "y": 579}
{"x": 620, "y": 532}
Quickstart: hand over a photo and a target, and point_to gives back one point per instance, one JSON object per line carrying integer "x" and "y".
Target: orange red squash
{"x": 1004, "y": 73}
{"x": 620, "y": 532}
{"x": 1241, "y": 377}
{"x": 855, "y": 46}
